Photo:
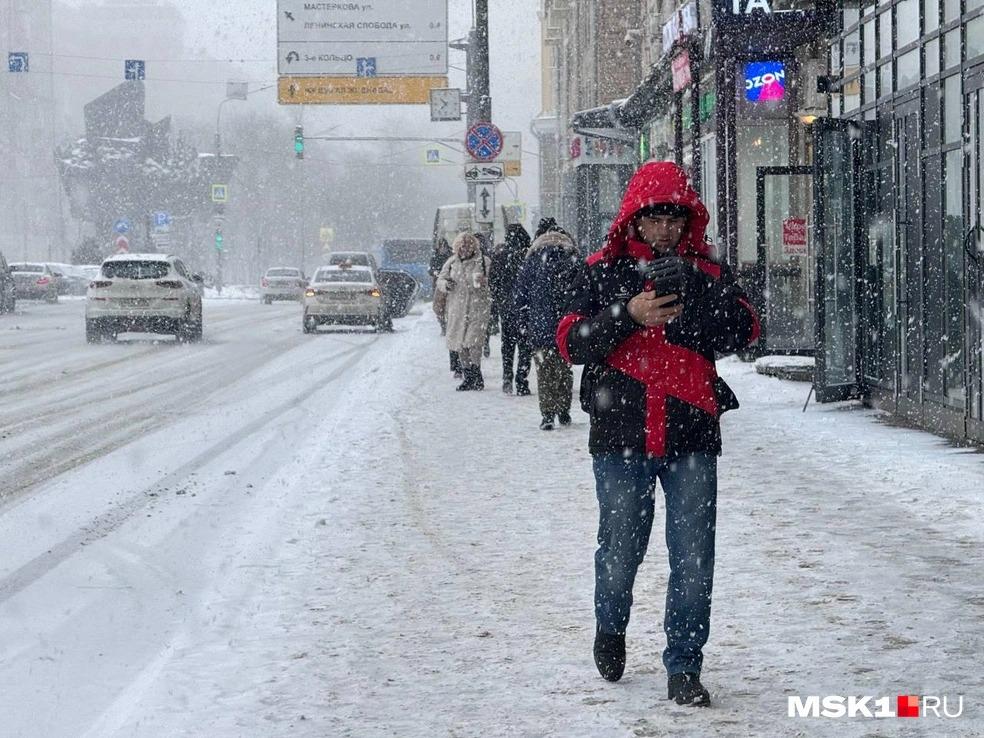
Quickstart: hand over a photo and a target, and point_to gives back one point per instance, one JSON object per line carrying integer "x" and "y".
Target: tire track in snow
{"x": 108, "y": 522}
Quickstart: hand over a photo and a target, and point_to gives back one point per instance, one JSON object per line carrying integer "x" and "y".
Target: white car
{"x": 344, "y": 294}
{"x": 144, "y": 293}
{"x": 282, "y": 283}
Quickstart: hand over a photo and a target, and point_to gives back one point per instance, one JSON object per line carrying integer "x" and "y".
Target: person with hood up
{"x": 463, "y": 286}
{"x": 648, "y": 315}
{"x": 542, "y": 291}
{"x": 506, "y": 263}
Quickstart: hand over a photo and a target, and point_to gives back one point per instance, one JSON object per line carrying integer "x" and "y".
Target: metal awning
{"x": 622, "y": 120}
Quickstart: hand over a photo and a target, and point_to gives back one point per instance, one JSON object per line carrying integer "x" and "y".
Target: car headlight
{"x": 375, "y": 292}
{"x": 309, "y": 293}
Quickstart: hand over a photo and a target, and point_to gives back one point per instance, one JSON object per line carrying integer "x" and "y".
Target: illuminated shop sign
{"x": 765, "y": 81}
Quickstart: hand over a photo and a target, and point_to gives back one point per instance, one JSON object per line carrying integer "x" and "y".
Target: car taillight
{"x": 43, "y": 281}
{"x": 170, "y": 284}
{"x": 374, "y": 292}
{"x": 99, "y": 283}
{"x": 264, "y": 282}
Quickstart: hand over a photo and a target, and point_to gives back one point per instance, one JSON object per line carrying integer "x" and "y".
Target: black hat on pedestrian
{"x": 664, "y": 209}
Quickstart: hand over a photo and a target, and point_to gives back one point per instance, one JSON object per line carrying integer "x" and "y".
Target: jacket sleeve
{"x": 443, "y": 276}
{"x": 721, "y": 320}
{"x": 590, "y": 331}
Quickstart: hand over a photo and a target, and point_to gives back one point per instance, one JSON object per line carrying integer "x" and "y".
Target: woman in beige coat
{"x": 463, "y": 287}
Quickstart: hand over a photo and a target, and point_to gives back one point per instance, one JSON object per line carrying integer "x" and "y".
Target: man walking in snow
{"x": 648, "y": 315}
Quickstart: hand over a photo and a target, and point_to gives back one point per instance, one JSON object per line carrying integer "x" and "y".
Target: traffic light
{"x": 218, "y": 240}
{"x": 299, "y": 141}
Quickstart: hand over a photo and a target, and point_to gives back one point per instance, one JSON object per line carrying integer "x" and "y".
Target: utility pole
{"x": 479, "y": 109}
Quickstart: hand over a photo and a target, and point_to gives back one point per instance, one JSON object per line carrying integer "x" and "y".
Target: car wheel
{"x": 94, "y": 331}
{"x": 309, "y": 324}
{"x": 267, "y": 301}
{"x": 51, "y": 299}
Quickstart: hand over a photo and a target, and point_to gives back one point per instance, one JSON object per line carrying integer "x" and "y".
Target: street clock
{"x": 445, "y": 104}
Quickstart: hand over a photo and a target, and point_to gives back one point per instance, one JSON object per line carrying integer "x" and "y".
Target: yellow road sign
{"x": 513, "y": 168}
{"x": 358, "y": 90}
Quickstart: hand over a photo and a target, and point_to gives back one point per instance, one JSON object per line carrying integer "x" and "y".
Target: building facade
{"x": 907, "y": 143}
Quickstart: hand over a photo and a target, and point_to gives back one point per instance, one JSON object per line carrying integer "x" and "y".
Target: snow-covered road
{"x": 276, "y": 534}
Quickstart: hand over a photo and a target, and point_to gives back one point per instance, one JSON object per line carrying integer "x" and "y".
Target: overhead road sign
{"x": 485, "y": 203}
{"x": 384, "y": 38}
{"x": 390, "y": 21}
{"x": 357, "y": 58}
{"x": 483, "y": 141}
{"x": 357, "y": 90}
{"x": 479, "y": 172}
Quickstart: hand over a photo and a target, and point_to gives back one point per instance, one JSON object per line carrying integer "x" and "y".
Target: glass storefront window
{"x": 951, "y": 10}
{"x": 884, "y": 35}
{"x": 869, "y": 42}
{"x": 868, "y": 85}
{"x": 759, "y": 144}
{"x": 907, "y": 69}
{"x": 953, "y": 230}
{"x": 952, "y": 110}
{"x": 931, "y": 13}
{"x": 835, "y": 59}
{"x": 885, "y": 79}
{"x": 932, "y": 57}
{"x": 973, "y": 5}
{"x": 975, "y": 37}
{"x": 907, "y": 22}
{"x": 951, "y": 49}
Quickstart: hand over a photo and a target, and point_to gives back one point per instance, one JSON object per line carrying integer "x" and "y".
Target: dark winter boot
{"x": 469, "y": 383}
{"x": 547, "y": 422}
{"x": 477, "y": 379}
{"x": 507, "y": 386}
{"x": 564, "y": 418}
{"x": 522, "y": 389}
{"x": 686, "y": 689}
{"x": 609, "y": 654}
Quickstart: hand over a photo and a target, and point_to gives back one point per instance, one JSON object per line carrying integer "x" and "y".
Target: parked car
{"x": 34, "y": 281}
{"x": 343, "y": 294}
{"x": 354, "y": 258}
{"x": 8, "y": 296}
{"x": 69, "y": 279}
{"x": 282, "y": 283}
{"x": 144, "y": 293}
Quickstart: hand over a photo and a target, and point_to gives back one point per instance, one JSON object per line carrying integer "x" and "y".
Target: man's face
{"x": 662, "y": 232}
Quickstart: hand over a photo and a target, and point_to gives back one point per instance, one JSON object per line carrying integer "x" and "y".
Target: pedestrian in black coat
{"x": 506, "y": 263}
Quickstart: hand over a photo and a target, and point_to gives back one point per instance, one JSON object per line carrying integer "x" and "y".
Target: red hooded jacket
{"x": 655, "y": 390}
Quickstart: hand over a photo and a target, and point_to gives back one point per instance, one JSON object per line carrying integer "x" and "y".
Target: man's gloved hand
{"x": 668, "y": 275}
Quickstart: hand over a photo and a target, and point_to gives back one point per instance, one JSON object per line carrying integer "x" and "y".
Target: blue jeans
{"x": 626, "y": 489}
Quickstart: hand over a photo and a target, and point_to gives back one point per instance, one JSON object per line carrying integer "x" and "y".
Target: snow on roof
{"x": 138, "y": 257}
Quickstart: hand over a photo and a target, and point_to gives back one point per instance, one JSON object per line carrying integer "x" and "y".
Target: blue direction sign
{"x": 365, "y": 66}
{"x": 17, "y": 61}
{"x": 162, "y": 219}
{"x": 134, "y": 69}
{"x": 483, "y": 141}
{"x": 122, "y": 226}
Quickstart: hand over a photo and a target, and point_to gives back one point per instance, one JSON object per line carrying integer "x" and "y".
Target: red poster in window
{"x": 794, "y": 238}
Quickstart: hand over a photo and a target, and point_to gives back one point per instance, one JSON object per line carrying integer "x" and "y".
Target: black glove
{"x": 668, "y": 275}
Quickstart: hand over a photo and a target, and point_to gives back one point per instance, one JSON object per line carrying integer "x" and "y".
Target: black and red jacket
{"x": 655, "y": 390}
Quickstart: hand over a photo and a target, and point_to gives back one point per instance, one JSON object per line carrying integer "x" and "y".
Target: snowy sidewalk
{"x": 439, "y": 582}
